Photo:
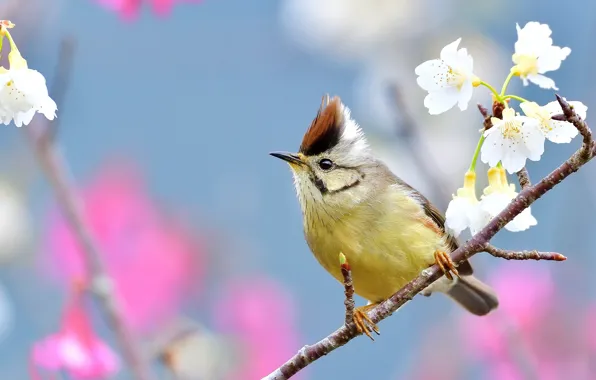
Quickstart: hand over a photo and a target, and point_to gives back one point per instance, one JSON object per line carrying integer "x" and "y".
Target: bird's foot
{"x": 363, "y": 323}
{"x": 446, "y": 264}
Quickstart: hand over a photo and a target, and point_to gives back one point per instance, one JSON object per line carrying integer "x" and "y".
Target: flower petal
{"x": 492, "y": 149}
{"x": 533, "y": 139}
{"x": 465, "y": 95}
{"x": 431, "y": 75}
{"x": 580, "y": 109}
{"x": 561, "y": 132}
{"x": 456, "y": 216}
{"x": 441, "y": 101}
{"x": 522, "y": 222}
{"x": 514, "y": 158}
{"x": 551, "y": 58}
{"x": 449, "y": 53}
{"x": 542, "y": 81}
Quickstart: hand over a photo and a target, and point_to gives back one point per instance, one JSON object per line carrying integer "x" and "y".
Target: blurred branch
{"x": 410, "y": 131}
{"x": 41, "y": 134}
{"x": 478, "y": 243}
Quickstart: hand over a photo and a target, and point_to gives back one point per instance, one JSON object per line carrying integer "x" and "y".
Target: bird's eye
{"x": 325, "y": 164}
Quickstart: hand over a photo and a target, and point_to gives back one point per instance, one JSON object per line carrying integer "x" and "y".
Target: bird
{"x": 352, "y": 203}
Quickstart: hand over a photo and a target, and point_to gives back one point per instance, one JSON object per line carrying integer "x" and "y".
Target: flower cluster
{"x": 510, "y": 139}
{"x": 23, "y": 91}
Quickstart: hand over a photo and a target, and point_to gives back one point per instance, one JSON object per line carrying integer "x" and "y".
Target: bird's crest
{"x": 332, "y": 124}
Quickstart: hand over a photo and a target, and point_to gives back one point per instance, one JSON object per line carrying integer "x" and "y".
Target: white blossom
{"x": 498, "y": 194}
{"x": 536, "y": 55}
{"x": 464, "y": 209}
{"x": 556, "y": 131}
{"x": 512, "y": 140}
{"x": 23, "y": 92}
{"x": 449, "y": 80}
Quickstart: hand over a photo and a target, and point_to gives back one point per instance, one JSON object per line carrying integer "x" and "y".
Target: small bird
{"x": 352, "y": 203}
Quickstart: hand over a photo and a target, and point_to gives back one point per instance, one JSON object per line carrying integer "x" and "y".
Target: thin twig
{"x": 572, "y": 117}
{"x": 476, "y": 244}
{"x": 349, "y": 289}
{"x": 524, "y": 178}
{"x": 523, "y": 255}
{"x": 486, "y": 123}
{"x": 55, "y": 167}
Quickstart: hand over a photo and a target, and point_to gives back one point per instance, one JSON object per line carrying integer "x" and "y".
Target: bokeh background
{"x": 166, "y": 125}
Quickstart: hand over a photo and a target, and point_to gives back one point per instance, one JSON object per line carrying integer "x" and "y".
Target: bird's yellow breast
{"x": 385, "y": 246}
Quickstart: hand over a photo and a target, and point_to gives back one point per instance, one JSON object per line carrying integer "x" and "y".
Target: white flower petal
{"x": 514, "y": 159}
{"x": 552, "y": 58}
{"x": 449, "y": 53}
{"x": 533, "y": 38}
{"x": 542, "y": 81}
{"x": 533, "y": 140}
{"x": 447, "y": 80}
{"x": 23, "y": 92}
{"x": 522, "y": 222}
{"x": 580, "y": 109}
{"x": 441, "y": 101}
{"x": 535, "y": 54}
{"x": 456, "y": 216}
{"x": 478, "y": 219}
{"x": 465, "y": 95}
{"x": 492, "y": 149}
{"x": 25, "y": 118}
{"x": 561, "y": 132}
{"x": 429, "y": 75}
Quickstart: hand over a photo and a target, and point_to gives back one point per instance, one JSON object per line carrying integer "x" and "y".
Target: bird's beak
{"x": 291, "y": 158}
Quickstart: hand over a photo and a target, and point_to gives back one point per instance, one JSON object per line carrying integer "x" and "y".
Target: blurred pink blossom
{"x": 129, "y": 9}
{"x": 525, "y": 293}
{"x": 534, "y": 330}
{"x": 260, "y": 315}
{"x": 75, "y": 348}
{"x": 153, "y": 261}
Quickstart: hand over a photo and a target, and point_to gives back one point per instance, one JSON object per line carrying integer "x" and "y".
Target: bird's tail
{"x": 474, "y": 295}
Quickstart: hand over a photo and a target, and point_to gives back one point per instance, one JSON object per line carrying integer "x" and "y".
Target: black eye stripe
{"x": 319, "y": 184}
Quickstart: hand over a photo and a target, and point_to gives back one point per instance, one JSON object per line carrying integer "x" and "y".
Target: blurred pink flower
{"x": 152, "y": 260}
{"x": 590, "y": 327}
{"x": 260, "y": 316}
{"x": 129, "y": 9}
{"x": 525, "y": 293}
{"x": 534, "y": 331}
{"x": 75, "y": 348}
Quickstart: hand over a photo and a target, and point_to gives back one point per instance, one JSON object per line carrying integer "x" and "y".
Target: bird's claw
{"x": 363, "y": 323}
{"x": 446, "y": 264}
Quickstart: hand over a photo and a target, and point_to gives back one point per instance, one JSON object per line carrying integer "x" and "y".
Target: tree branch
{"x": 523, "y": 255}
{"x": 41, "y": 136}
{"x": 524, "y": 178}
{"x": 477, "y": 243}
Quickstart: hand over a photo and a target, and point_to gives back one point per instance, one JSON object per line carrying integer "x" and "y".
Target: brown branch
{"x": 524, "y": 178}
{"x": 349, "y": 289}
{"x": 523, "y": 255}
{"x": 588, "y": 145}
{"x": 486, "y": 123}
{"x": 477, "y": 243}
{"x": 41, "y": 136}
